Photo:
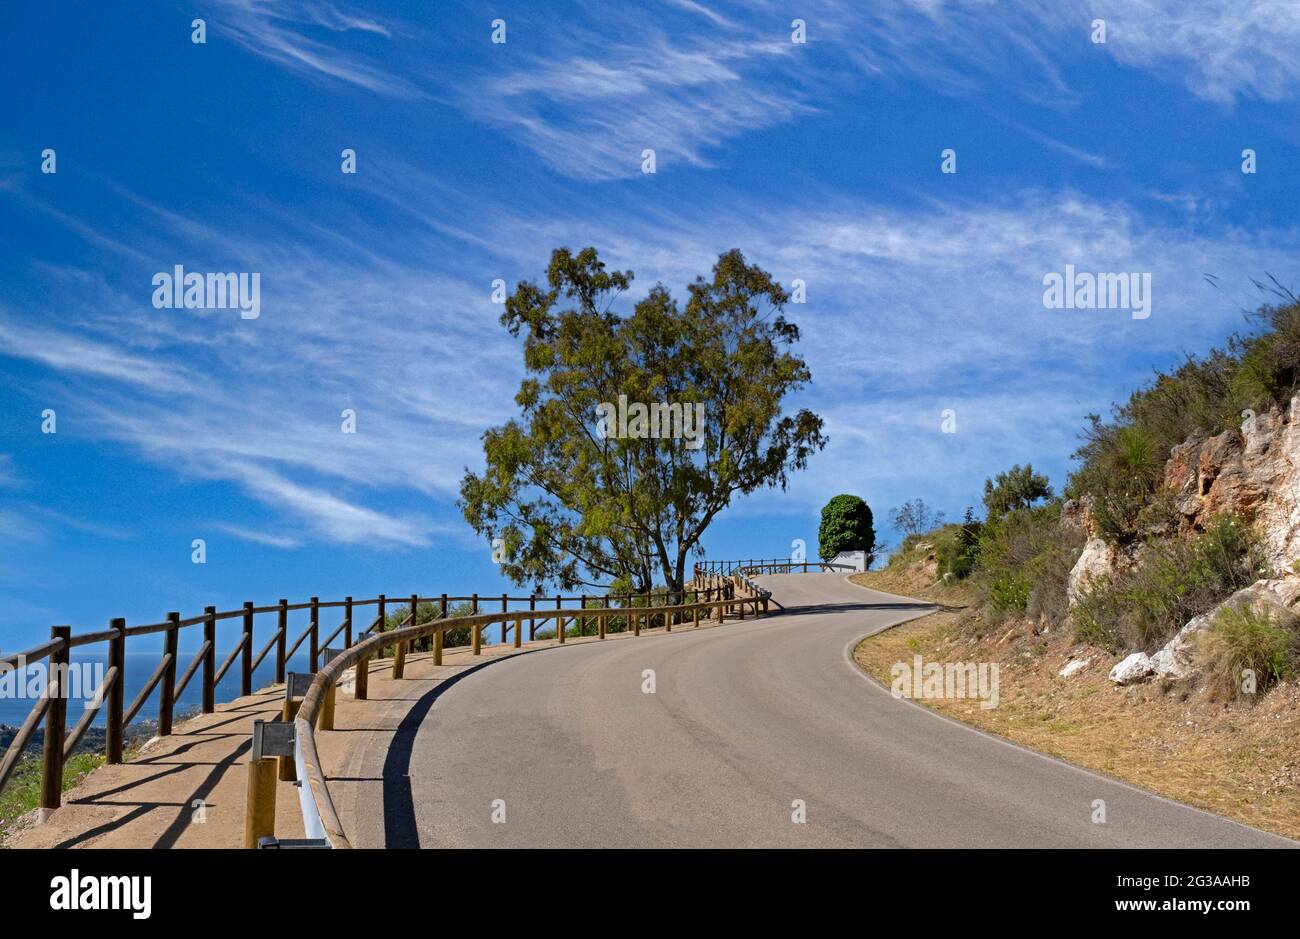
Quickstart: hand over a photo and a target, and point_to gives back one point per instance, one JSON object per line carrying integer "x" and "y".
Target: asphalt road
{"x": 744, "y": 720}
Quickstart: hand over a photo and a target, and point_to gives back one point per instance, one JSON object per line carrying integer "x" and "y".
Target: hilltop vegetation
{"x": 1161, "y": 570}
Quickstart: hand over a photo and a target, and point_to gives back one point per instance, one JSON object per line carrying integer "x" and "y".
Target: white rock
{"x": 1134, "y": 668}
{"x": 1176, "y": 659}
{"x": 1095, "y": 563}
{"x": 1074, "y": 667}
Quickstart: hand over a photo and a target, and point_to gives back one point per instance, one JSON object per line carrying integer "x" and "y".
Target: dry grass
{"x": 1240, "y": 760}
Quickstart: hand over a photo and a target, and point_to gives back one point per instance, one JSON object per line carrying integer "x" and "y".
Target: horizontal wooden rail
{"x": 79, "y": 731}
{"x": 192, "y": 668}
{"x": 147, "y": 690}
{"x": 320, "y": 814}
{"x": 583, "y": 614}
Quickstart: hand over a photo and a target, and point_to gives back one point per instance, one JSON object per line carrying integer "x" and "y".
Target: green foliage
{"x": 1018, "y": 488}
{"x": 1176, "y": 580}
{"x": 575, "y": 506}
{"x": 846, "y": 526}
{"x": 1242, "y": 638}
{"x": 956, "y": 547}
{"x": 915, "y": 517}
{"x": 1024, "y": 560}
{"x": 456, "y": 636}
{"x": 1121, "y": 461}
{"x": 22, "y": 792}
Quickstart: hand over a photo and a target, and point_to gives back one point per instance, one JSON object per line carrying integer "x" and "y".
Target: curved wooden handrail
{"x": 709, "y": 589}
{"x": 320, "y": 815}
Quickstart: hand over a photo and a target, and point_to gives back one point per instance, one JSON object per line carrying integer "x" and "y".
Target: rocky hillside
{"x": 1250, "y": 475}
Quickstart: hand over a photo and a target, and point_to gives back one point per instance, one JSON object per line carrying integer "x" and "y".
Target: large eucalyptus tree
{"x": 583, "y": 488}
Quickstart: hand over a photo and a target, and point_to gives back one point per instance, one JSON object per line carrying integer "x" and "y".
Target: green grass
{"x": 23, "y": 791}
{"x": 1242, "y": 639}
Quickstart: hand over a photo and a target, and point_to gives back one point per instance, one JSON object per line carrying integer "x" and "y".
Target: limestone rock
{"x": 1136, "y": 667}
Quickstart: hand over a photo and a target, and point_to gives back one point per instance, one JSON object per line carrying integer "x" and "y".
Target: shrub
{"x": 1176, "y": 580}
{"x": 956, "y": 547}
{"x": 1025, "y": 558}
{"x": 1242, "y": 638}
{"x": 846, "y": 526}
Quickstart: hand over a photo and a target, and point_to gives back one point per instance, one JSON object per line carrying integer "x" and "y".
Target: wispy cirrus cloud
{"x": 281, "y": 31}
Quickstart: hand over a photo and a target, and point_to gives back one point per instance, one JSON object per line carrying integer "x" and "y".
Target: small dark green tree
{"x": 846, "y": 526}
{"x": 1017, "y": 488}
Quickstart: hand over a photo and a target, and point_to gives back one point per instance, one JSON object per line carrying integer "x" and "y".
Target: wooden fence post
{"x": 314, "y": 639}
{"x": 56, "y": 685}
{"x": 168, "y": 690}
{"x": 281, "y": 643}
{"x": 559, "y": 620}
{"x": 383, "y": 621}
{"x": 116, "y": 659}
{"x": 519, "y": 630}
{"x": 246, "y": 662}
{"x": 361, "y": 683}
{"x": 259, "y": 801}
{"x": 209, "y": 659}
{"x": 438, "y": 636}
{"x": 347, "y": 618}
{"x": 532, "y": 620}
{"x": 505, "y": 608}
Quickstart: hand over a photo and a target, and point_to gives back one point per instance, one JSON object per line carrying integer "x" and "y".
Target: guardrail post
{"x": 288, "y": 771}
{"x": 532, "y": 620}
{"x": 209, "y": 659}
{"x": 55, "y": 721}
{"x": 519, "y": 630}
{"x": 695, "y": 613}
{"x": 399, "y": 650}
{"x": 347, "y": 619}
{"x": 476, "y": 638}
{"x": 314, "y": 639}
{"x": 636, "y": 618}
{"x": 113, "y": 722}
{"x": 281, "y": 644}
{"x": 259, "y": 801}
{"x": 383, "y": 621}
{"x": 246, "y": 662}
{"x": 438, "y": 636}
{"x": 559, "y": 620}
{"x": 601, "y": 618}
{"x": 168, "y": 689}
{"x": 505, "y": 608}
{"x": 361, "y": 681}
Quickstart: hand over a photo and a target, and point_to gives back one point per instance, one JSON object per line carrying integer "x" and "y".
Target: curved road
{"x": 744, "y": 720}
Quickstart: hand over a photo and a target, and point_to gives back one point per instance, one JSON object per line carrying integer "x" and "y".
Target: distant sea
{"x": 139, "y": 667}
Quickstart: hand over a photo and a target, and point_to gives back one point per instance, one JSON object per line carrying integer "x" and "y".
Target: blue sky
{"x": 820, "y": 161}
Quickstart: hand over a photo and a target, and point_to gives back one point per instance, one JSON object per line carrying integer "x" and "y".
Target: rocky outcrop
{"x": 1252, "y": 473}
{"x": 1176, "y": 659}
{"x": 1099, "y": 561}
